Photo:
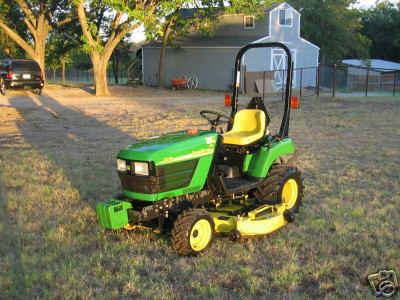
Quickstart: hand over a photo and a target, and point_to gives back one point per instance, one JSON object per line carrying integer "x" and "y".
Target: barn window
{"x": 249, "y": 22}
{"x": 285, "y": 17}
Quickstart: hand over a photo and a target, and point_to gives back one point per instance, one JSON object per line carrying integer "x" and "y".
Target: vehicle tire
{"x": 283, "y": 185}
{"x": 3, "y": 89}
{"x": 38, "y": 92}
{"x": 192, "y": 232}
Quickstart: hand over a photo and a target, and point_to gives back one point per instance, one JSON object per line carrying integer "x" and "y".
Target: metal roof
{"x": 204, "y": 41}
{"x": 376, "y": 64}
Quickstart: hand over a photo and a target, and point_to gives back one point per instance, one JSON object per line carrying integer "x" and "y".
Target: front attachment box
{"x": 113, "y": 214}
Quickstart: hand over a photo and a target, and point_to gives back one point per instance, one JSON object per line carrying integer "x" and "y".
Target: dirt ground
{"x": 57, "y": 159}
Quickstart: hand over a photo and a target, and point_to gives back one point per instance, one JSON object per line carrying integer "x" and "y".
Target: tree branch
{"x": 27, "y": 11}
{"x": 20, "y": 41}
{"x": 63, "y": 22}
{"x": 84, "y": 24}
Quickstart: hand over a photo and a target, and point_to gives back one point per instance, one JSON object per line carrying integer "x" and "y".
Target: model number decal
{"x": 194, "y": 154}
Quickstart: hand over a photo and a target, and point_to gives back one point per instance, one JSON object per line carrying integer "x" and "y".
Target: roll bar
{"x": 284, "y": 129}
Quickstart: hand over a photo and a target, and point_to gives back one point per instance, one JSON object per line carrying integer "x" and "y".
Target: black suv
{"x": 20, "y": 73}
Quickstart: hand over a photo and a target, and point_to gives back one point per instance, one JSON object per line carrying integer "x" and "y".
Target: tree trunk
{"x": 54, "y": 73}
{"x": 40, "y": 48}
{"x": 161, "y": 66}
{"x": 63, "y": 70}
{"x": 100, "y": 74}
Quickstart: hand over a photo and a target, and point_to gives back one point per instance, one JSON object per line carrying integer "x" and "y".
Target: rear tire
{"x": 3, "y": 89}
{"x": 38, "y": 91}
{"x": 193, "y": 231}
{"x": 283, "y": 185}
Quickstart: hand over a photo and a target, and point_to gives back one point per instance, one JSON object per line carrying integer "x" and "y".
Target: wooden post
{"x": 394, "y": 83}
{"x": 367, "y": 83}
{"x": 334, "y": 81}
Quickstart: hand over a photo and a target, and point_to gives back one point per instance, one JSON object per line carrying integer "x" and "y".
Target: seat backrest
{"x": 249, "y": 120}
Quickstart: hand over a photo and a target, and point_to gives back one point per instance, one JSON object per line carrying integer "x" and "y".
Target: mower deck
{"x": 262, "y": 219}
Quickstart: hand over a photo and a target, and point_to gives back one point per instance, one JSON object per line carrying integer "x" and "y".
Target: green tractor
{"x": 196, "y": 183}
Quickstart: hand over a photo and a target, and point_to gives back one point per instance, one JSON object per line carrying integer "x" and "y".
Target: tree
{"x": 334, "y": 26}
{"x": 105, "y": 24}
{"x": 62, "y": 43}
{"x": 120, "y": 54}
{"x": 381, "y": 24}
{"x": 40, "y": 17}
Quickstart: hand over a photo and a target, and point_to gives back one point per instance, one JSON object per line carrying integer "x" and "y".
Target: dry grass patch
{"x": 54, "y": 170}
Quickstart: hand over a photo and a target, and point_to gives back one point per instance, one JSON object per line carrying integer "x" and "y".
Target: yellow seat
{"x": 248, "y": 127}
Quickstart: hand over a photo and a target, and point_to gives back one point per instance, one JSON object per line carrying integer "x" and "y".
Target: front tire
{"x": 193, "y": 232}
{"x": 283, "y": 185}
{"x": 3, "y": 89}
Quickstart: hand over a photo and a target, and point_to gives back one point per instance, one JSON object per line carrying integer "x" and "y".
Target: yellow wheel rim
{"x": 200, "y": 235}
{"x": 290, "y": 192}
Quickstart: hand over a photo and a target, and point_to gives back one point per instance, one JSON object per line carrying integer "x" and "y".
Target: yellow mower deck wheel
{"x": 200, "y": 235}
{"x": 290, "y": 193}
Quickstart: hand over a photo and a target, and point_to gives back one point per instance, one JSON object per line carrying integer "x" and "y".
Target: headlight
{"x": 121, "y": 165}
{"x": 141, "y": 168}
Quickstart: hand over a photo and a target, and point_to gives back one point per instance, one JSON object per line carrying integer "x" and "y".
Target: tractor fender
{"x": 262, "y": 161}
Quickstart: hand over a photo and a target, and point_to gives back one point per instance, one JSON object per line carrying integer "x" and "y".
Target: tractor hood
{"x": 172, "y": 147}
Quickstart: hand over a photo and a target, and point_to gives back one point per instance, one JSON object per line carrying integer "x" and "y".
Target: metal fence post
{"x": 283, "y": 85}
{"x": 367, "y": 83}
{"x": 263, "y": 85}
{"x": 334, "y": 81}
{"x": 318, "y": 78}
{"x": 394, "y": 83}
{"x": 301, "y": 80}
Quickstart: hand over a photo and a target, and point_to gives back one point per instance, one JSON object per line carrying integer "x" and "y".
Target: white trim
{"x": 311, "y": 44}
{"x": 282, "y": 53}
{"x": 291, "y": 7}
{"x": 244, "y": 22}
{"x": 286, "y": 10}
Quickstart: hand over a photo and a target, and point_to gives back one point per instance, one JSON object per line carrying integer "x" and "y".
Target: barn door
{"x": 279, "y": 66}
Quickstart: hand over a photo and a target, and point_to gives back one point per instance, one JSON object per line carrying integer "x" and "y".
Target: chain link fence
{"x": 344, "y": 80}
{"x": 85, "y": 76}
{"x": 331, "y": 81}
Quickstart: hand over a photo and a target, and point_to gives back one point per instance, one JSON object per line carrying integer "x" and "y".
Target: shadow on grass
{"x": 81, "y": 145}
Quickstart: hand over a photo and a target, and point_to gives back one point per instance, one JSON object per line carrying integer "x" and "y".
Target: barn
{"x": 211, "y": 59}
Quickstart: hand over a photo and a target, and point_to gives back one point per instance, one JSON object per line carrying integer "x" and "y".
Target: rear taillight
{"x": 9, "y": 75}
{"x": 41, "y": 76}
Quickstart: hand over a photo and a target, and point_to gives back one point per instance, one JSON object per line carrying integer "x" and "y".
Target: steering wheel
{"x": 217, "y": 120}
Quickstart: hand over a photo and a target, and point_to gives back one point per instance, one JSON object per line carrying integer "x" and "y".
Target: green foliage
{"x": 334, "y": 26}
{"x": 62, "y": 43}
{"x": 381, "y": 24}
{"x": 8, "y": 48}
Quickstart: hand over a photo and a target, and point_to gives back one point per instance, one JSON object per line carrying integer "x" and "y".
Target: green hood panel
{"x": 173, "y": 147}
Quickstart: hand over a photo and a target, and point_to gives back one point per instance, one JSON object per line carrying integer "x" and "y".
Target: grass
{"x": 51, "y": 246}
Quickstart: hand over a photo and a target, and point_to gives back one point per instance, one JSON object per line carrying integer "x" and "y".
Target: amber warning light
{"x": 228, "y": 100}
{"x": 295, "y": 102}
